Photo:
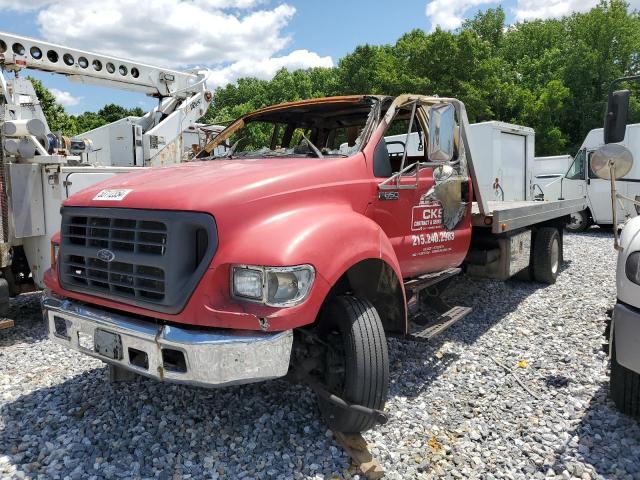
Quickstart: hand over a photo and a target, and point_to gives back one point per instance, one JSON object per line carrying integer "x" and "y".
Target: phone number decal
{"x": 430, "y": 238}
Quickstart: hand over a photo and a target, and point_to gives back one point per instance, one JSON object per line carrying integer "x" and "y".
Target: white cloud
{"x": 24, "y": 6}
{"x": 234, "y": 38}
{"x": 65, "y": 98}
{"x": 168, "y": 32}
{"x": 267, "y": 68}
{"x": 449, "y": 14}
{"x": 534, "y": 9}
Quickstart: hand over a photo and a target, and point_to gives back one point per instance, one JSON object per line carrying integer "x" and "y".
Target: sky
{"x": 236, "y": 38}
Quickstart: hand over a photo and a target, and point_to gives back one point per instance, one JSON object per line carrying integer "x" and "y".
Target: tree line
{"x": 552, "y": 75}
{"x": 61, "y": 121}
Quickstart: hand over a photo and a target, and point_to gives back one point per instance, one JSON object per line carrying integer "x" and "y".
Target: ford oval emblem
{"x": 106, "y": 255}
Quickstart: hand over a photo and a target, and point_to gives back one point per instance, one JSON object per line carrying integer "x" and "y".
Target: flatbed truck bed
{"x": 506, "y": 216}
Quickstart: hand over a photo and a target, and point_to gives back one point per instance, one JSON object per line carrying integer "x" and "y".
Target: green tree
{"x": 57, "y": 118}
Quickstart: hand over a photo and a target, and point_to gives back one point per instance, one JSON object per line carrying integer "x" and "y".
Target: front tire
{"x": 624, "y": 388}
{"x": 546, "y": 255}
{"x": 579, "y": 222}
{"x": 357, "y": 368}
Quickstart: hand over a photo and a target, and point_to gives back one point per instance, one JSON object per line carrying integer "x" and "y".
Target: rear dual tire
{"x": 357, "y": 370}
{"x": 547, "y": 255}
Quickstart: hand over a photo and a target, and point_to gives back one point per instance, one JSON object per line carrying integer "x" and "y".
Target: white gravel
{"x": 454, "y": 412}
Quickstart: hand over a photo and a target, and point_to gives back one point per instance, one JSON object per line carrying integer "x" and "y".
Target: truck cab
{"x": 293, "y": 251}
{"x": 580, "y": 181}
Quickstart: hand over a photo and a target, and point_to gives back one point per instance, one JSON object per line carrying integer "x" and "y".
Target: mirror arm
{"x": 614, "y": 207}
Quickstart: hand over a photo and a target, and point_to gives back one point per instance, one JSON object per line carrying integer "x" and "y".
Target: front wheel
{"x": 578, "y": 222}
{"x": 624, "y": 387}
{"x": 356, "y": 363}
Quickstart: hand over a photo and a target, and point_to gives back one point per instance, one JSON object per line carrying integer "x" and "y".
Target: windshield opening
{"x": 322, "y": 129}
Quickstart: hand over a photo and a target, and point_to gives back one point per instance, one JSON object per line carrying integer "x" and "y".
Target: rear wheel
{"x": 624, "y": 388}
{"x": 356, "y": 363}
{"x": 578, "y": 222}
{"x": 546, "y": 255}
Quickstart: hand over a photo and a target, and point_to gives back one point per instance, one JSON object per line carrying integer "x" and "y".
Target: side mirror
{"x": 615, "y": 120}
{"x": 611, "y": 160}
{"x": 442, "y": 122}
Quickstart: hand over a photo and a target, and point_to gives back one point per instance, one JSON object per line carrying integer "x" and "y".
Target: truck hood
{"x": 201, "y": 185}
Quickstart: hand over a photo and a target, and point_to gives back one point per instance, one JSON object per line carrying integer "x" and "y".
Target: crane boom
{"x": 18, "y": 52}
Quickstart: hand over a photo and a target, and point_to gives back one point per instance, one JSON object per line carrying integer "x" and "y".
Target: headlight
{"x": 632, "y": 267}
{"x": 248, "y": 283}
{"x": 273, "y": 286}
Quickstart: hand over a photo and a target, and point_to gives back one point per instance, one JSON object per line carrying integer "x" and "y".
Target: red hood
{"x": 199, "y": 186}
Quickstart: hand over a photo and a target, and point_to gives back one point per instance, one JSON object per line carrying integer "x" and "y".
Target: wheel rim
{"x": 576, "y": 221}
{"x": 555, "y": 256}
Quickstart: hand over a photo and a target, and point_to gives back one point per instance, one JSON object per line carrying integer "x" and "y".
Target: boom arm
{"x": 18, "y": 52}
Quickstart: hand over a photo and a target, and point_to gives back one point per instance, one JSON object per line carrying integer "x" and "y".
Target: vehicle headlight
{"x": 632, "y": 267}
{"x": 248, "y": 283}
{"x": 273, "y": 286}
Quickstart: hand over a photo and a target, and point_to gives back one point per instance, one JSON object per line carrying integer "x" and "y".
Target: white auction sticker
{"x": 114, "y": 195}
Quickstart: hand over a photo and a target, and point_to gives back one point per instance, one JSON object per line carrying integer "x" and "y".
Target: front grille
{"x": 138, "y": 236}
{"x": 147, "y": 258}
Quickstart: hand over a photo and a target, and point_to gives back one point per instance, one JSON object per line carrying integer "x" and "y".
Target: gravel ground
{"x": 455, "y": 413}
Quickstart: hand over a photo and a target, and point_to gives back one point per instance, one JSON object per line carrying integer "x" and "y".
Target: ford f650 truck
{"x": 294, "y": 253}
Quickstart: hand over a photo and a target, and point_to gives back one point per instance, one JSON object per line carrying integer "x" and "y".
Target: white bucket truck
{"x": 40, "y": 168}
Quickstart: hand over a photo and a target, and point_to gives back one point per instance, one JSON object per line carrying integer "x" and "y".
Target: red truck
{"x": 292, "y": 247}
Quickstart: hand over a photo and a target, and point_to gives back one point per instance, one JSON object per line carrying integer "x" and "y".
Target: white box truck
{"x": 580, "y": 181}
{"x": 503, "y": 155}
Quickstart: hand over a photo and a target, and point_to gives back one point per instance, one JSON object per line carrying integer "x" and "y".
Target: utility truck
{"x": 40, "y": 168}
{"x": 295, "y": 253}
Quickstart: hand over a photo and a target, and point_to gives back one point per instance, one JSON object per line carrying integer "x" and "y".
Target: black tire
{"x": 353, "y": 326}
{"x": 547, "y": 255}
{"x": 624, "y": 388}
{"x": 4, "y": 297}
{"x": 579, "y": 222}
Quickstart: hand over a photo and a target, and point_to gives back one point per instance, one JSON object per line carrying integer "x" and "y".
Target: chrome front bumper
{"x": 209, "y": 358}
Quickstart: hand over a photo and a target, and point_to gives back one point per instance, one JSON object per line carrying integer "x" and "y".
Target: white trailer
{"x": 40, "y": 168}
{"x": 580, "y": 182}
{"x": 503, "y": 155}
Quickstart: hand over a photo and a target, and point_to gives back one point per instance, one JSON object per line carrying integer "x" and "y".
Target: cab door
{"x": 574, "y": 182}
{"x": 408, "y": 215}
